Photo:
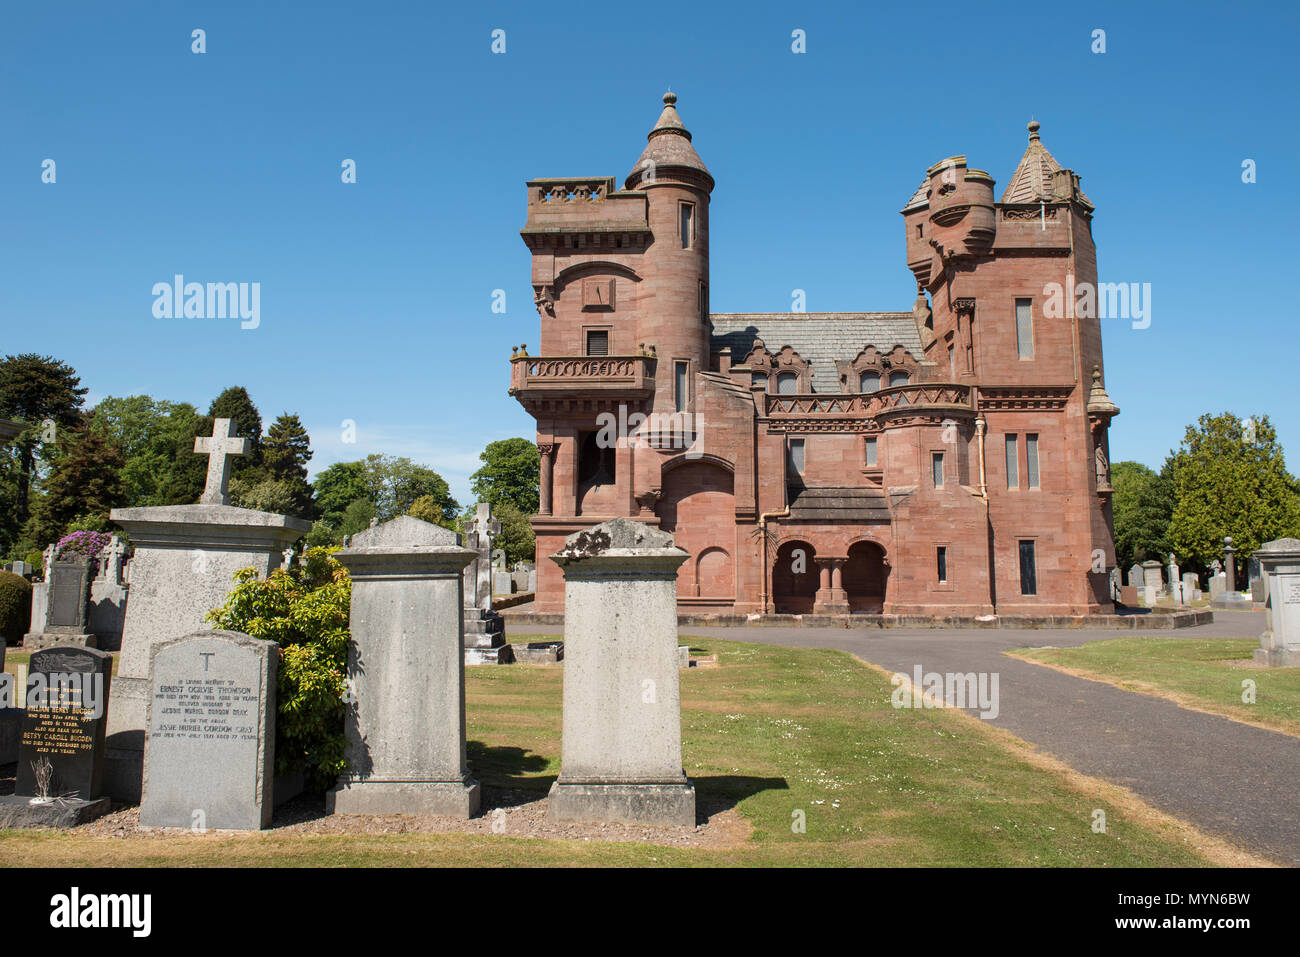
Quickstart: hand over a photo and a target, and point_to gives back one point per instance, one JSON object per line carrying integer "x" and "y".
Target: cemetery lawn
{"x": 1202, "y": 674}
{"x": 772, "y": 737}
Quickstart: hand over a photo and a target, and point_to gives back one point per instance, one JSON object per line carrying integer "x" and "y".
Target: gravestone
{"x": 621, "y": 744}
{"x": 108, "y": 596}
{"x": 1218, "y": 584}
{"x": 186, "y": 557}
{"x": 1258, "y": 583}
{"x": 405, "y": 725}
{"x": 1128, "y": 595}
{"x": 20, "y": 568}
{"x": 485, "y": 629}
{"x": 59, "y": 779}
{"x": 1191, "y": 587}
{"x": 66, "y": 596}
{"x": 210, "y": 751}
{"x": 1280, "y": 643}
{"x": 1135, "y": 576}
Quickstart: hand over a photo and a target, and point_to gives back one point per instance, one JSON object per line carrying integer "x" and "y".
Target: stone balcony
{"x": 907, "y": 401}
{"x": 578, "y": 377}
{"x": 590, "y": 207}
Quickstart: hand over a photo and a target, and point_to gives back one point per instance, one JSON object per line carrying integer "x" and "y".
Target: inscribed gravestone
{"x": 65, "y": 722}
{"x": 210, "y": 751}
{"x": 1280, "y": 642}
{"x": 66, "y": 596}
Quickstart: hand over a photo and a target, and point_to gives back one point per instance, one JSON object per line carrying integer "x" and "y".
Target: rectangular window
{"x": 679, "y": 385}
{"x": 871, "y": 452}
{"x": 943, "y": 563}
{"x": 598, "y": 343}
{"x": 952, "y": 364}
{"x": 704, "y": 301}
{"x": 796, "y": 456}
{"x": 1031, "y": 458}
{"x": 688, "y": 225}
{"x": 1024, "y": 328}
{"x": 936, "y": 465}
{"x": 1028, "y": 574}
{"x": 1013, "y": 460}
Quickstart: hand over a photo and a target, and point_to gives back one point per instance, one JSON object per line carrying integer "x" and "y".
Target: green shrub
{"x": 15, "y": 606}
{"x": 306, "y": 612}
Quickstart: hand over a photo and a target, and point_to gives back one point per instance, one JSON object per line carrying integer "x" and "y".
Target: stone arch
{"x": 794, "y": 578}
{"x": 698, "y": 505}
{"x": 866, "y": 576}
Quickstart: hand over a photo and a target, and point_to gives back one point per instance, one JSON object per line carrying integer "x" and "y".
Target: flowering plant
{"x": 87, "y": 544}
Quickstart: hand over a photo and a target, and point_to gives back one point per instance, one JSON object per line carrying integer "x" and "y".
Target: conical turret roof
{"x": 1032, "y": 180}
{"x": 669, "y": 146}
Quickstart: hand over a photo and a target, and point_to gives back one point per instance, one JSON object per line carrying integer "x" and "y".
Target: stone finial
{"x": 1099, "y": 401}
{"x": 1033, "y": 128}
{"x": 219, "y": 447}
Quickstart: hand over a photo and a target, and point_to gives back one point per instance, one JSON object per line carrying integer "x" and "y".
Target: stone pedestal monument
{"x": 1231, "y": 599}
{"x": 406, "y": 722}
{"x": 485, "y": 629}
{"x": 185, "y": 560}
{"x": 1280, "y": 643}
{"x": 621, "y": 751}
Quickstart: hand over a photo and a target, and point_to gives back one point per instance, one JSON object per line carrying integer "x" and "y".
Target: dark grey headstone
{"x": 64, "y": 730}
{"x": 68, "y": 594}
{"x": 210, "y": 749}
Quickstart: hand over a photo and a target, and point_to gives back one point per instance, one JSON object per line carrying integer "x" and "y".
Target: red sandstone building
{"x": 950, "y": 460}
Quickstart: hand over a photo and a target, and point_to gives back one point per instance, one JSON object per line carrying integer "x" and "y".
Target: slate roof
{"x": 856, "y": 505}
{"x": 818, "y": 337}
{"x": 1032, "y": 180}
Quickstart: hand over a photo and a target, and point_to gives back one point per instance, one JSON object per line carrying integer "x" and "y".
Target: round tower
{"x": 674, "y": 317}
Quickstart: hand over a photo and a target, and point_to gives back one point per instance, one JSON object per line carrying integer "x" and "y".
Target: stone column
{"x": 546, "y": 451}
{"x": 185, "y": 561}
{"x": 831, "y": 598}
{"x": 621, "y": 753}
{"x": 406, "y": 729}
{"x": 1280, "y": 643}
{"x": 1230, "y": 562}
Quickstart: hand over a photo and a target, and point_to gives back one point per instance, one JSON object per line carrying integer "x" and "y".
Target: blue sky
{"x": 376, "y": 297}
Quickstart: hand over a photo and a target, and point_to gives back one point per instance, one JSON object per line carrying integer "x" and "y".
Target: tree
{"x": 85, "y": 482}
{"x": 37, "y": 389}
{"x": 235, "y": 404}
{"x": 510, "y": 473}
{"x": 337, "y": 487}
{"x": 1143, "y": 503}
{"x": 157, "y": 442}
{"x": 425, "y": 508}
{"x": 391, "y": 485}
{"x": 356, "y": 518}
{"x": 516, "y": 538}
{"x": 1230, "y": 478}
{"x": 285, "y": 454}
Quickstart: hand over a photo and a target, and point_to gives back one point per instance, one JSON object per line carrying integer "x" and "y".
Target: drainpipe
{"x": 980, "y": 425}
{"x": 762, "y": 528}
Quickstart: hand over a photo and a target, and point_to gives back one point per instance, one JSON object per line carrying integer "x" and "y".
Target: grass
{"x": 1195, "y": 673}
{"x": 780, "y": 733}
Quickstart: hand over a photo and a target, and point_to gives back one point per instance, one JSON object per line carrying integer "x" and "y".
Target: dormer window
{"x": 787, "y": 383}
{"x": 897, "y": 378}
{"x": 869, "y": 382}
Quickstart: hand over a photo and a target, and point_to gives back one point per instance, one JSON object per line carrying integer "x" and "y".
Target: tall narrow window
{"x": 787, "y": 383}
{"x": 1028, "y": 572}
{"x": 869, "y": 382}
{"x": 1031, "y": 458}
{"x": 1013, "y": 461}
{"x": 936, "y": 466}
{"x": 871, "y": 452}
{"x": 796, "y": 456}
{"x": 942, "y": 555}
{"x": 952, "y": 363}
{"x": 1024, "y": 328}
{"x": 679, "y": 385}
{"x": 688, "y": 225}
{"x": 597, "y": 342}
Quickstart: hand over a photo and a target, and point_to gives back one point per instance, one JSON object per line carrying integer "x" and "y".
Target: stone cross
{"x": 478, "y": 574}
{"x": 113, "y": 554}
{"x": 222, "y": 444}
{"x": 484, "y": 524}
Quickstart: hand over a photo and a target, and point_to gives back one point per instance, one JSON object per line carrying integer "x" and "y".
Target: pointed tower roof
{"x": 1033, "y": 180}
{"x": 669, "y": 146}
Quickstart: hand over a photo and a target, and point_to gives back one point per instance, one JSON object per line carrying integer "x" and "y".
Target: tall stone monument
{"x": 485, "y": 629}
{"x": 406, "y": 673}
{"x": 1280, "y": 643}
{"x": 621, "y": 750}
{"x": 209, "y": 759}
{"x": 185, "y": 561}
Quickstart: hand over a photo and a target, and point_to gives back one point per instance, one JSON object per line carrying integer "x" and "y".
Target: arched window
{"x": 869, "y": 382}
{"x": 787, "y": 383}
{"x": 897, "y": 378}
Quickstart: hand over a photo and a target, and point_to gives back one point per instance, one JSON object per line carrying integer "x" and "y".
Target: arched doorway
{"x": 794, "y": 578}
{"x": 865, "y": 576}
{"x": 698, "y": 506}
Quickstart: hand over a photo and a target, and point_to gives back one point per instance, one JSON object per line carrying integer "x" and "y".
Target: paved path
{"x": 1238, "y": 781}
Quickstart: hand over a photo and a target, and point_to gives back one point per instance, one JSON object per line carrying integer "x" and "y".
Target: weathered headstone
{"x": 1218, "y": 584}
{"x": 621, "y": 747}
{"x": 66, "y": 597}
{"x": 485, "y": 629}
{"x": 1280, "y": 642}
{"x": 406, "y": 724}
{"x": 1135, "y": 576}
{"x": 1128, "y": 595}
{"x": 108, "y": 596}
{"x": 210, "y": 752}
{"x": 61, "y": 749}
{"x": 186, "y": 557}
{"x": 1257, "y": 582}
{"x": 1191, "y": 587}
